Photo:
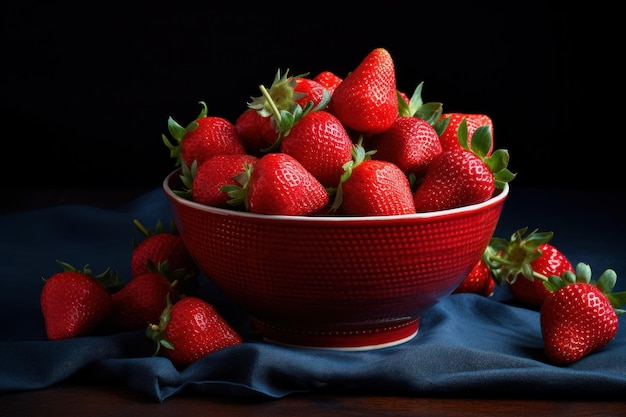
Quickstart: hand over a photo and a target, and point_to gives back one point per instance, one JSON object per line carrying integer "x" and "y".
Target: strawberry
{"x": 191, "y": 329}
{"x": 278, "y": 184}
{"x": 579, "y": 316}
{"x": 76, "y": 302}
{"x": 321, "y": 144}
{"x": 372, "y": 187}
{"x": 202, "y": 138}
{"x": 311, "y": 91}
{"x": 449, "y": 124}
{"x": 256, "y": 132}
{"x": 478, "y": 281}
{"x": 203, "y": 183}
{"x": 286, "y": 96}
{"x": 158, "y": 246}
{"x": 142, "y": 300}
{"x": 366, "y": 99}
{"x": 329, "y": 80}
{"x": 524, "y": 262}
{"x": 410, "y": 142}
{"x": 461, "y": 176}
{"x": 287, "y": 92}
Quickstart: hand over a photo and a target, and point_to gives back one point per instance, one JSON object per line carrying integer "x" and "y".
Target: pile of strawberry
{"x": 578, "y": 315}
{"x": 327, "y": 145}
{"x": 158, "y": 298}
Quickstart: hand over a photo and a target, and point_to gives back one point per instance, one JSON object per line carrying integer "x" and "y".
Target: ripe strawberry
{"x": 141, "y": 301}
{"x": 321, "y": 144}
{"x": 372, "y": 187}
{"x": 278, "y": 184}
{"x": 75, "y": 302}
{"x": 159, "y": 246}
{"x": 311, "y": 91}
{"x": 329, "y": 80}
{"x": 461, "y": 176}
{"x": 478, "y": 281}
{"x": 255, "y": 131}
{"x": 366, "y": 99}
{"x": 275, "y": 109}
{"x": 214, "y": 173}
{"x": 204, "y": 137}
{"x": 579, "y": 316}
{"x": 410, "y": 142}
{"x": 524, "y": 262}
{"x": 191, "y": 329}
{"x": 450, "y": 123}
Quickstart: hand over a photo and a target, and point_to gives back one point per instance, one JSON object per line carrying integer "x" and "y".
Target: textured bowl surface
{"x": 337, "y": 282}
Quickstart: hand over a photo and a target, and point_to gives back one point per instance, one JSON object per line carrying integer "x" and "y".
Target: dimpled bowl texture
{"x": 335, "y": 282}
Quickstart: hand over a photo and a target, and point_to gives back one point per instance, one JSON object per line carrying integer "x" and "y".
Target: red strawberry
{"x": 204, "y": 137}
{"x": 455, "y": 178}
{"x": 191, "y": 329}
{"x": 287, "y": 91}
{"x": 255, "y": 131}
{"x": 366, "y": 99}
{"x": 321, "y": 144}
{"x": 373, "y": 188}
{"x": 478, "y": 281}
{"x": 279, "y": 184}
{"x": 288, "y": 95}
{"x": 213, "y": 174}
{"x": 411, "y": 143}
{"x": 75, "y": 302}
{"x": 159, "y": 246}
{"x": 141, "y": 301}
{"x": 525, "y": 261}
{"x": 329, "y": 80}
{"x": 311, "y": 91}
{"x": 579, "y": 316}
{"x": 459, "y": 176}
{"x": 450, "y": 123}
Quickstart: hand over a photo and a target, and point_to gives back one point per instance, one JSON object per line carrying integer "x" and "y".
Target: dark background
{"x": 87, "y": 90}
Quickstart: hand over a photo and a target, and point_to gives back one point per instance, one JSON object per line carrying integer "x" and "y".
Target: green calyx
{"x": 480, "y": 144}
{"x": 239, "y": 193}
{"x": 178, "y": 132}
{"x": 605, "y": 283}
{"x": 159, "y": 228}
{"x": 358, "y": 155}
{"x": 186, "y": 178}
{"x": 156, "y": 332}
{"x": 279, "y": 103}
{"x": 430, "y": 112}
{"x": 282, "y": 95}
{"x": 109, "y": 278}
{"x": 508, "y": 259}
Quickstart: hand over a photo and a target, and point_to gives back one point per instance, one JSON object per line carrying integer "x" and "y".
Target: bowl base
{"x": 354, "y": 338}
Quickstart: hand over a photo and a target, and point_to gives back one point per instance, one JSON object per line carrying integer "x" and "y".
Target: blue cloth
{"x": 467, "y": 344}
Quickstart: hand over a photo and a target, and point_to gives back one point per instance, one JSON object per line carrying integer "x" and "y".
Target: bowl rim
{"x": 499, "y": 196}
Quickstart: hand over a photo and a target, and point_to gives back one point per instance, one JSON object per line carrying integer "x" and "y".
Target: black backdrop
{"x": 87, "y": 90}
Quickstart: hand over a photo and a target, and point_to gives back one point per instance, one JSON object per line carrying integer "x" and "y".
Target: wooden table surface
{"x": 69, "y": 399}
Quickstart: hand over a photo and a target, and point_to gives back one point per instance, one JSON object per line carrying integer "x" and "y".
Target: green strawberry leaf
{"x": 463, "y": 134}
{"x": 481, "y": 140}
{"x": 430, "y": 112}
{"x": 441, "y": 125}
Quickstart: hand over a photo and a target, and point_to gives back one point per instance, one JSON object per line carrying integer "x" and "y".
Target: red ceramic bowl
{"x": 349, "y": 283}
